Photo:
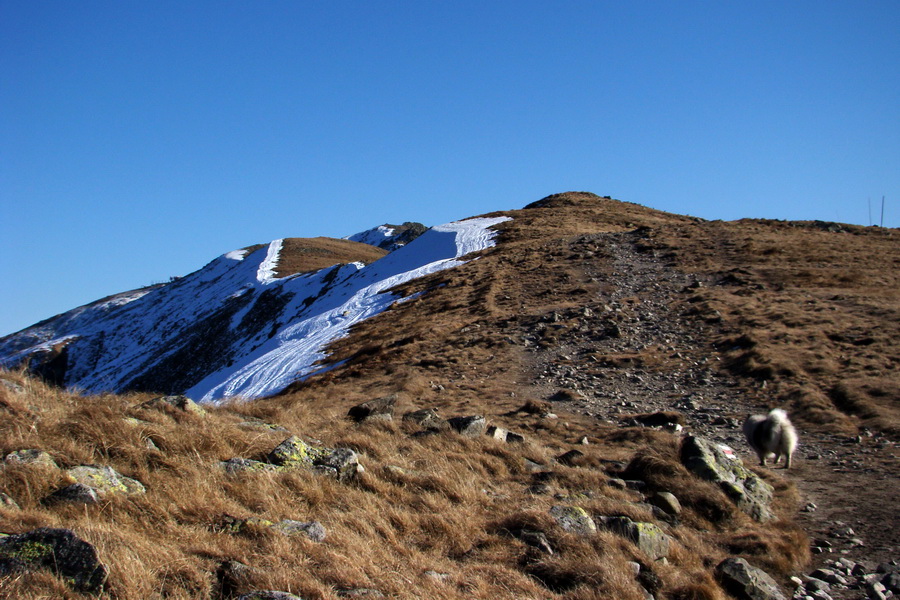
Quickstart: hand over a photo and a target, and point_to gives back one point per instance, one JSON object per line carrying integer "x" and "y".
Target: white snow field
{"x": 115, "y": 340}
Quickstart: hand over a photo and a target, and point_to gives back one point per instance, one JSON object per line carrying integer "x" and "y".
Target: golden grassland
{"x": 441, "y": 503}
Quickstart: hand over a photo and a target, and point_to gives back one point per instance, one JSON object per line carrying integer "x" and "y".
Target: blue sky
{"x": 139, "y": 140}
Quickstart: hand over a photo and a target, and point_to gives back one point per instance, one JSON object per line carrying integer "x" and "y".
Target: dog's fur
{"x": 771, "y": 434}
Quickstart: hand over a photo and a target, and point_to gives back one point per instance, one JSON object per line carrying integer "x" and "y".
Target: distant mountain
{"x": 390, "y": 237}
{"x": 249, "y": 323}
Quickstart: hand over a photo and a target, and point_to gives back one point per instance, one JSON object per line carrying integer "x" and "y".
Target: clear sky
{"x": 140, "y": 140}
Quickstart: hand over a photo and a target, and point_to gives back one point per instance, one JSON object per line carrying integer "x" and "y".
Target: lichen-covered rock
{"x": 312, "y": 529}
{"x": 573, "y": 519}
{"x": 646, "y": 536}
{"x": 293, "y": 452}
{"x": 105, "y": 480}
{"x": 30, "y": 456}
{"x": 245, "y": 465}
{"x": 59, "y": 550}
{"x": 470, "y": 426}
{"x": 77, "y": 493}
{"x": 178, "y": 402}
{"x": 750, "y": 493}
{"x": 498, "y": 433}
{"x": 379, "y": 409}
{"x": 342, "y": 463}
{"x": 745, "y": 582}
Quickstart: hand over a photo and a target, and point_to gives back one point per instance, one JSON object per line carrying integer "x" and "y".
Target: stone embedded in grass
{"x": 178, "y": 402}
{"x": 470, "y": 426}
{"x": 58, "y": 550}
{"x": 573, "y": 519}
{"x": 359, "y": 593}
{"x": 666, "y": 501}
{"x": 31, "y": 456}
{"x": 293, "y": 452}
{"x": 379, "y": 409}
{"x": 646, "y": 536}
{"x": 242, "y": 465}
{"x": 268, "y": 595}
{"x": 312, "y": 529}
{"x": 427, "y": 418}
{"x": 498, "y": 433}
{"x": 745, "y": 582}
{"x": 569, "y": 458}
{"x": 6, "y": 501}
{"x": 105, "y": 480}
{"x": 77, "y": 493}
{"x": 749, "y": 493}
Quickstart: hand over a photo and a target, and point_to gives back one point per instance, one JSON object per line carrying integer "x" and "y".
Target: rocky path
{"x": 629, "y": 352}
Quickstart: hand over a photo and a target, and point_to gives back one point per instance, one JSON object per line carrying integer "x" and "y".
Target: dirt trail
{"x": 654, "y": 359}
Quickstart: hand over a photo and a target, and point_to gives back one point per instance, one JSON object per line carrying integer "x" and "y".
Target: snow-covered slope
{"x": 233, "y": 328}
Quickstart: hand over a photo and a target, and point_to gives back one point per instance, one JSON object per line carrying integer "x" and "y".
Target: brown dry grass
{"x": 808, "y": 311}
{"x": 442, "y": 503}
{"x": 304, "y": 255}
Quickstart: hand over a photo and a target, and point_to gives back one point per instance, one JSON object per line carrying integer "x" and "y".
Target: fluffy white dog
{"x": 771, "y": 434}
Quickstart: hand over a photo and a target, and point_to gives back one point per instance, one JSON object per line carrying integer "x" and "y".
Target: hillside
{"x": 589, "y": 320}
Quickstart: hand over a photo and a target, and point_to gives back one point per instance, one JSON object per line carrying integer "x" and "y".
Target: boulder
{"x": 708, "y": 461}
{"x": 427, "y": 418}
{"x": 573, "y": 519}
{"x": 470, "y": 426}
{"x": 666, "y": 501}
{"x": 569, "y": 458}
{"x": 342, "y": 463}
{"x": 77, "y": 493}
{"x": 105, "y": 480}
{"x": 31, "y": 456}
{"x": 59, "y": 550}
{"x": 646, "y": 536}
{"x": 379, "y": 409}
{"x": 745, "y": 582}
{"x": 182, "y": 403}
{"x": 241, "y": 465}
{"x": 498, "y": 433}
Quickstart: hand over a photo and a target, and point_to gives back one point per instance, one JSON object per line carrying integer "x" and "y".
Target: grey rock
{"x": 105, "y": 480}
{"x": 469, "y": 426}
{"x": 569, "y": 458}
{"x": 708, "y": 461}
{"x": 379, "y": 409}
{"x": 31, "y": 456}
{"x": 58, "y": 550}
{"x": 77, "y": 493}
{"x": 427, "y": 418}
{"x": 746, "y": 582}
{"x": 268, "y": 595}
{"x": 6, "y": 501}
{"x": 573, "y": 519}
{"x": 232, "y": 576}
{"x": 498, "y": 433}
{"x": 312, "y": 529}
{"x": 359, "y": 593}
{"x": 829, "y": 576}
{"x": 666, "y": 501}
{"x": 243, "y": 465}
{"x": 646, "y": 536}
